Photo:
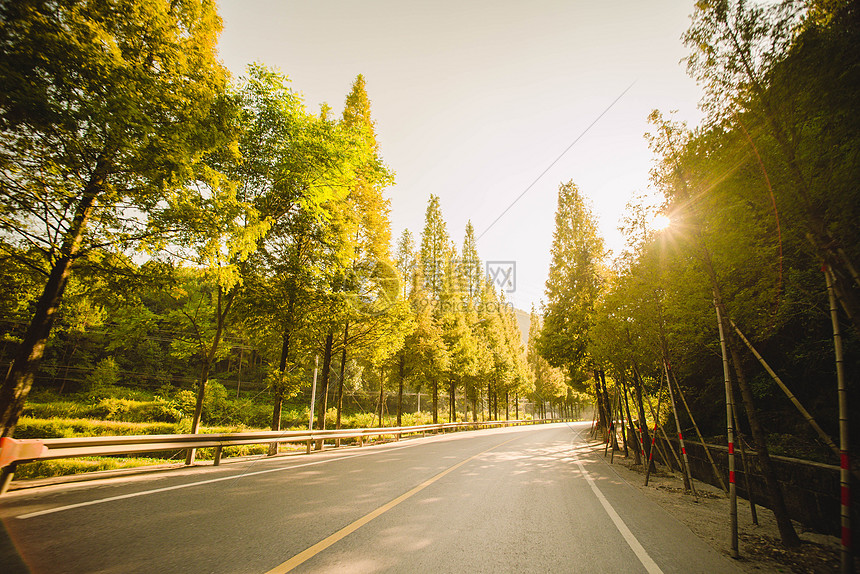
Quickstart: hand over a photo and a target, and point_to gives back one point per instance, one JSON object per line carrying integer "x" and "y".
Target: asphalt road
{"x": 523, "y": 499}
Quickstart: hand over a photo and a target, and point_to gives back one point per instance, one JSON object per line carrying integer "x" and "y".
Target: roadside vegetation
{"x": 191, "y": 252}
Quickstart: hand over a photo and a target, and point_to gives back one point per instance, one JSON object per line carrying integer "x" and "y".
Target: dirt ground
{"x": 759, "y": 545}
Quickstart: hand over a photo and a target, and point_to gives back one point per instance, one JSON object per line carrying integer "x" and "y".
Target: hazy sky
{"x": 473, "y": 100}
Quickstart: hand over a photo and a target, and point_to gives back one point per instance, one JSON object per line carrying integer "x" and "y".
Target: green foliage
{"x": 65, "y": 467}
{"x": 758, "y": 196}
{"x": 66, "y": 428}
{"x": 574, "y": 283}
{"x": 104, "y": 376}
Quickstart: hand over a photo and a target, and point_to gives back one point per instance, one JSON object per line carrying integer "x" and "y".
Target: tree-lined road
{"x": 525, "y": 499}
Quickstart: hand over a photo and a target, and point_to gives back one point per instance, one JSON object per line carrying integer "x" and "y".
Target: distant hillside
{"x": 523, "y": 321}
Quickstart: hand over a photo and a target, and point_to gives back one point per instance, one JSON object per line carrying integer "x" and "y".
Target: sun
{"x": 660, "y": 222}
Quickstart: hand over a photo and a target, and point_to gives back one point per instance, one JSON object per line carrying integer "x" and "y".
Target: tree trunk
{"x": 19, "y": 379}
{"x": 452, "y": 402}
{"x": 435, "y": 401}
{"x": 381, "y": 392}
{"x": 631, "y": 432}
{"x": 221, "y": 310}
{"x": 239, "y": 372}
{"x": 643, "y": 423}
{"x": 401, "y": 375}
{"x": 278, "y": 395}
{"x": 610, "y": 410}
{"x": 786, "y": 530}
{"x": 323, "y": 402}
{"x": 340, "y": 381}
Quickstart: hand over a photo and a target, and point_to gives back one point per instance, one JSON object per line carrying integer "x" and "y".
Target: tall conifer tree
{"x": 573, "y": 284}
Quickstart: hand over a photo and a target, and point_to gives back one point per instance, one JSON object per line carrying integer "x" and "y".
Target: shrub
{"x": 251, "y": 414}
{"x": 105, "y": 375}
{"x": 59, "y": 409}
{"x": 186, "y": 401}
{"x": 158, "y": 410}
{"x": 217, "y": 409}
{"x": 63, "y": 467}
{"x": 62, "y": 428}
{"x": 110, "y": 409}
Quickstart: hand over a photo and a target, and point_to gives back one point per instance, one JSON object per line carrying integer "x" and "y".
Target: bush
{"x": 252, "y": 414}
{"x": 59, "y": 409}
{"x": 109, "y": 409}
{"x": 158, "y": 410}
{"x": 63, "y": 467}
{"x": 105, "y": 375}
{"x": 186, "y": 401}
{"x": 217, "y": 409}
{"x": 63, "y": 428}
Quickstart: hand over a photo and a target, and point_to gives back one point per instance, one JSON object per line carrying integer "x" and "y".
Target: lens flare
{"x": 660, "y": 222}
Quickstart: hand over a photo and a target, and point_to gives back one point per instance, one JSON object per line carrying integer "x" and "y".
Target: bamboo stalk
{"x": 717, "y": 474}
{"x": 846, "y": 558}
{"x": 612, "y": 424}
{"x": 688, "y": 475}
{"x": 733, "y": 497}
{"x": 740, "y": 440}
{"x": 630, "y": 429}
{"x": 668, "y": 444}
{"x": 809, "y": 418}
{"x": 654, "y": 434}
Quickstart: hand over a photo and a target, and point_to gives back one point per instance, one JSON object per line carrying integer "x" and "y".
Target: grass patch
{"x": 69, "y": 466}
{"x": 28, "y": 427}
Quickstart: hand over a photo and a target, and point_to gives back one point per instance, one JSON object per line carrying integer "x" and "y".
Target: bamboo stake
{"x": 630, "y": 429}
{"x": 740, "y": 440}
{"x": 612, "y": 418}
{"x": 846, "y": 559}
{"x": 640, "y": 431}
{"x": 733, "y": 497}
{"x": 688, "y": 475}
{"x": 313, "y": 401}
{"x": 624, "y": 433}
{"x": 824, "y": 436}
{"x": 668, "y": 445}
{"x": 654, "y": 434}
{"x": 717, "y": 474}
{"x": 641, "y": 415}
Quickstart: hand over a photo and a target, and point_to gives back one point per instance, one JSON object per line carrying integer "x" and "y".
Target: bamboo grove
{"x": 763, "y": 205}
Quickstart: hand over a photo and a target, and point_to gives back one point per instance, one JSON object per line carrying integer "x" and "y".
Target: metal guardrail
{"x": 14, "y": 452}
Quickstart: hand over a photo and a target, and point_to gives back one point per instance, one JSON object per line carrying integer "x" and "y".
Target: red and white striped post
{"x": 688, "y": 474}
{"x": 730, "y": 434}
{"x": 654, "y": 434}
{"x": 846, "y": 560}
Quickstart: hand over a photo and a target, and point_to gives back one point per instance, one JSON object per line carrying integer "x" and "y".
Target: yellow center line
{"x": 349, "y": 529}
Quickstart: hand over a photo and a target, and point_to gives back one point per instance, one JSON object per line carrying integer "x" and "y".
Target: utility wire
{"x": 579, "y": 137}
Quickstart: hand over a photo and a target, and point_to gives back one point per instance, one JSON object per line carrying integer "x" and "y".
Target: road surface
{"x": 521, "y": 499}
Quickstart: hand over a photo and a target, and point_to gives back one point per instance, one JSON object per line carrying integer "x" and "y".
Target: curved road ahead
{"x": 523, "y": 499}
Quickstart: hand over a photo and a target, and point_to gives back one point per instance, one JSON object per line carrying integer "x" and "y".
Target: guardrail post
{"x": 360, "y": 441}
{"x": 308, "y": 450}
{"x": 6, "y": 477}
{"x": 217, "y": 460}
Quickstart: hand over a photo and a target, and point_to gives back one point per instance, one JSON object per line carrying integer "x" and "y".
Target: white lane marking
{"x": 631, "y": 540}
{"x": 221, "y": 479}
{"x": 198, "y": 483}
